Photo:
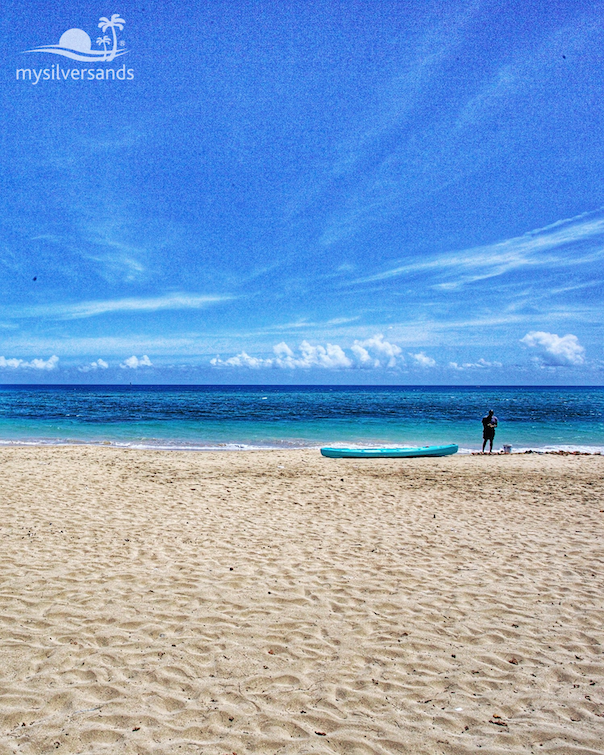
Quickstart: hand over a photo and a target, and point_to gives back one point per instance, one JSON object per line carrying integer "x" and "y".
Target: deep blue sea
{"x": 241, "y": 417}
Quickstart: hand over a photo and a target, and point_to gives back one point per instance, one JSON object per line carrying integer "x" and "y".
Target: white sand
{"x": 280, "y": 602}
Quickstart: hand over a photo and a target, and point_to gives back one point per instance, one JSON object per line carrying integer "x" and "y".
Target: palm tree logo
{"x": 103, "y": 41}
{"x": 77, "y": 45}
{"x": 116, "y": 22}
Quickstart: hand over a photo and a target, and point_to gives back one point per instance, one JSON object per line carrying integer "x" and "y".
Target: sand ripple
{"x": 279, "y": 602}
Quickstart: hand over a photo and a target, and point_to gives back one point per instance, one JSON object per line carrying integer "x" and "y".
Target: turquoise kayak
{"x": 389, "y": 453}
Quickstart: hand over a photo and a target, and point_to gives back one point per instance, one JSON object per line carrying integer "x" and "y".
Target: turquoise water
{"x": 209, "y": 417}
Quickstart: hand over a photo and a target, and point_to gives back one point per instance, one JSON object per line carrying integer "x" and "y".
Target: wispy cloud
{"x": 398, "y": 97}
{"x": 371, "y": 157}
{"x": 543, "y": 247}
{"x": 120, "y": 251}
{"x": 116, "y": 247}
{"x": 481, "y": 364}
{"x": 132, "y": 304}
{"x": 442, "y": 151}
{"x": 526, "y": 66}
{"x": 302, "y": 324}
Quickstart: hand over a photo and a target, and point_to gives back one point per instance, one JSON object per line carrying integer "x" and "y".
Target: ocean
{"x": 248, "y": 417}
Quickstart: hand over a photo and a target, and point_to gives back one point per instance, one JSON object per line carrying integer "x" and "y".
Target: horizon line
{"x": 292, "y": 385}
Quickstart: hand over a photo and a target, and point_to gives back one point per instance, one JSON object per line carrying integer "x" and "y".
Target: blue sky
{"x": 305, "y": 192}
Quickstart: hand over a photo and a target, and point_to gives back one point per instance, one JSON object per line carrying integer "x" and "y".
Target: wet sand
{"x": 281, "y": 602}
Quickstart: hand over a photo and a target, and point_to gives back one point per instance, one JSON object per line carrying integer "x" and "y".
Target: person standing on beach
{"x": 489, "y": 423}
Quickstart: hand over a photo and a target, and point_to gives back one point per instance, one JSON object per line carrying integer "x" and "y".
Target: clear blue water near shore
{"x": 245, "y": 417}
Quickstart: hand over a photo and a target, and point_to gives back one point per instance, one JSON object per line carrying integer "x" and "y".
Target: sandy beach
{"x": 281, "y": 602}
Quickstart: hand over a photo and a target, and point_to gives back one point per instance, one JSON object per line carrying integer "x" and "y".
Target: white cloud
{"x": 10, "y": 363}
{"x": 100, "y": 364}
{"x": 421, "y": 360}
{"x": 134, "y": 362}
{"x": 35, "y": 364}
{"x": 481, "y": 364}
{"x": 377, "y": 352}
{"x": 553, "y": 350}
{"x": 283, "y": 351}
{"x": 241, "y": 360}
{"x": 372, "y": 353}
{"x": 329, "y": 356}
{"x": 41, "y": 364}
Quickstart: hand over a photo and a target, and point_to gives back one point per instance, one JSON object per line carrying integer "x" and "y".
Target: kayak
{"x": 389, "y": 453}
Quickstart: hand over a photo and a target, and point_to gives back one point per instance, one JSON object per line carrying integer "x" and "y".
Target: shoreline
{"x": 562, "y": 449}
